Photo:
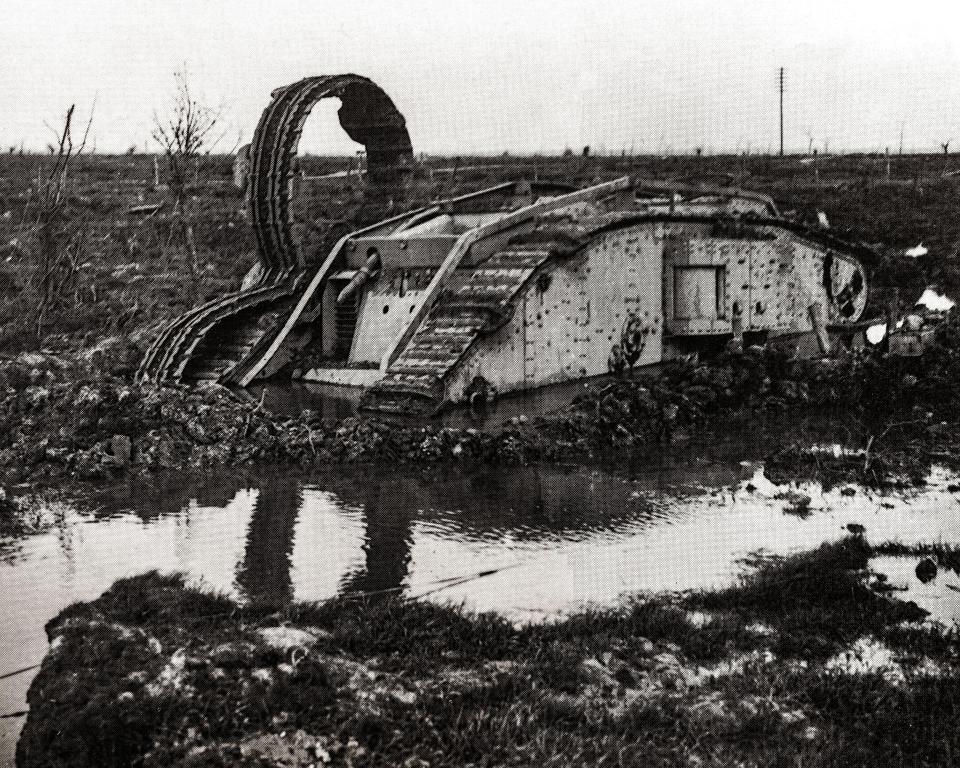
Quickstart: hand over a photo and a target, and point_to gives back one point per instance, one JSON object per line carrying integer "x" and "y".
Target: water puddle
{"x": 531, "y": 543}
{"x": 939, "y": 595}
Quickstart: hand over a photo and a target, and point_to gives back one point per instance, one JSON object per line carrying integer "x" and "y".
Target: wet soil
{"x": 799, "y": 660}
{"x": 531, "y": 544}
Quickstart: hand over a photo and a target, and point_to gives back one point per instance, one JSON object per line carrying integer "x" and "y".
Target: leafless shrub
{"x": 184, "y": 133}
{"x": 59, "y": 241}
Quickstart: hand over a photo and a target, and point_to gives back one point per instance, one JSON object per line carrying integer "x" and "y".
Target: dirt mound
{"x": 157, "y": 673}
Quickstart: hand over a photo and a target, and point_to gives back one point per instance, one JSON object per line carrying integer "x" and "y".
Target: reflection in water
{"x": 292, "y": 398}
{"x": 263, "y": 576}
{"x": 571, "y": 536}
{"x": 388, "y": 515}
{"x": 490, "y": 509}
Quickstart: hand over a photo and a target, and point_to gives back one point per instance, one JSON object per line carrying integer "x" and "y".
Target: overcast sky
{"x": 513, "y": 75}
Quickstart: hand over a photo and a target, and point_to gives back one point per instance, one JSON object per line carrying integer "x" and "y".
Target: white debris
{"x": 262, "y": 674}
{"x": 866, "y": 655}
{"x": 875, "y": 333}
{"x": 837, "y": 451}
{"x": 404, "y": 697}
{"x": 822, "y": 218}
{"x": 869, "y": 656}
{"x": 699, "y": 619}
{"x": 287, "y": 638}
{"x": 760, "y": 629}
{"x": 171, "y": 676}
{"x": 917, "y": 250}
{"x": 287, "y": 750}
{"x": 734, "y": 665}
{"x": 935, "y": 302}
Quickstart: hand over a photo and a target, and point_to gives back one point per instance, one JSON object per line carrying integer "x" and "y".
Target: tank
{"x": 516, "y": 287}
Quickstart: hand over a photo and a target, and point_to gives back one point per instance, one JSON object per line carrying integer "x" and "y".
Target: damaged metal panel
{"x": 571, "y": 314}
{"x": 637, "y": 286}
{"x": 764, "y": 284}
{"x": 387, "y": 307}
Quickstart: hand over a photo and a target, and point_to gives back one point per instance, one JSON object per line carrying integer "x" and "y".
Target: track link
{"x": 368, "y": 116}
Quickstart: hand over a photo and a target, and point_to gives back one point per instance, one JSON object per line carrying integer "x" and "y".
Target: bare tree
{"x": 946, "y": 146}
{"x": 60, "y": 242}
{"x": 184, "y": 133}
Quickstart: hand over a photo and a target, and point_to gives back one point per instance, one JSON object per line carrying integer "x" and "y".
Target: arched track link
{"x": 370, "y": 118}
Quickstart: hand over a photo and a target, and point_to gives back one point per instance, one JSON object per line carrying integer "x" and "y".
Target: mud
{"x": 533, "y": 544}
{"x": 72, "y": 422}
{"x": 157, "y": 673}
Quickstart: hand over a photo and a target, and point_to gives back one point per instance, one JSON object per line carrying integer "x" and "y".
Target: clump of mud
{"x": 155, "y": 672}
{"x": 71, "y": 420}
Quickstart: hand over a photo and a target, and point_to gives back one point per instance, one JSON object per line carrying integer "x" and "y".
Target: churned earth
{"x": 69, "y": 422}
{"x": 816, "y": 657}
{"x": 801, "y": 660}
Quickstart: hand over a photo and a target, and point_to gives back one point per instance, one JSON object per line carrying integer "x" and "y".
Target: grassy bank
{"x": 780, "y": 669}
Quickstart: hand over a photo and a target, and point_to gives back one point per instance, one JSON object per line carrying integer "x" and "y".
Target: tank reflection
{"x": 263, "y": 576}
{"x": 351, "y": 529}
{"x": 388, "y": 514}
{"x": 526, "y": 506}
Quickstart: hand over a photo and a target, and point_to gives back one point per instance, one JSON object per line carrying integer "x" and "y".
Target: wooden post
{"x": 781, "y": 111}
{"x": 891, "y": 310}
{"x": 819, "y": 327}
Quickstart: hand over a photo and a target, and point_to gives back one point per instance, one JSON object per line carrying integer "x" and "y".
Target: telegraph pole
{"x": 781, "y": 111}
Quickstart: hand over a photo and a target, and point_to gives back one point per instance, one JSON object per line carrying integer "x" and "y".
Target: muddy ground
{"x": 159, "y": 673}
{"x": 807, "y": 660}
{"x": 74, "y": 423}
{"x": 72, "y": 414}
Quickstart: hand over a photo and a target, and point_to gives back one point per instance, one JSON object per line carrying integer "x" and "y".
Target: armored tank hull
{"x": 512, "y": 288}
{"x": 515, "y": 288}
